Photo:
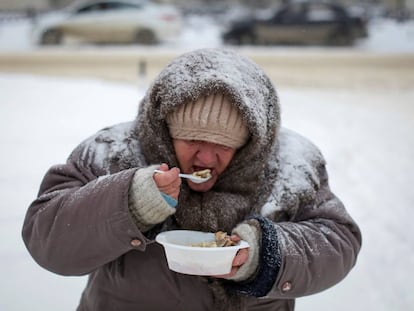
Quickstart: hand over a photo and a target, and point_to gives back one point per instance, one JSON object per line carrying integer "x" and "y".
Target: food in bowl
{"x": 221, "y": 239}
{"x": 203, "y": 174}
{"x": 197, "y": 260}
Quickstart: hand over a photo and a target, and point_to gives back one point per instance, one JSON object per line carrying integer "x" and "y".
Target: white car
{"x": 116, "y": 21}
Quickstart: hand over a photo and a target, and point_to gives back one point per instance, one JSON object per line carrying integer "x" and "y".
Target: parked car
{"x": 116, "y": 21}
{"x": 299, "y": 23}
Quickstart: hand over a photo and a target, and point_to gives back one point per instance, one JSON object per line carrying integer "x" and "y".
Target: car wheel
{"x": 51, "y": 37}
{"x": 145, "y": 36}
{"x": 340, "y": 39}
{"x": 246, "y": 38}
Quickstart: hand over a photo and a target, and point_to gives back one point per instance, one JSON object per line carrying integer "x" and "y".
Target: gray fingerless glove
{"x": 250, "y": 233}
{"x": 263, "y": 279}
{"x": 146, "y": 203}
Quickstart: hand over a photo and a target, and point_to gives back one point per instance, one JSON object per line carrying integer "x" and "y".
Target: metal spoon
{"x": 194, "y": 179}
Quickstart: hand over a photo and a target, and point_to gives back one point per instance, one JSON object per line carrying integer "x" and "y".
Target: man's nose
{"x": 206, "y": 155}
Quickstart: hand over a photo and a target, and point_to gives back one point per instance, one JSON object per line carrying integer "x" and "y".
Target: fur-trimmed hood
{"x": 249, "y": 177}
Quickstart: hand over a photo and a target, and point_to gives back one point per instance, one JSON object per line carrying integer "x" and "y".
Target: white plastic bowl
{"x": 187, "y": 259}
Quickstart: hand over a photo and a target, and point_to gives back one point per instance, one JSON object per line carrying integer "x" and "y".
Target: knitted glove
{"x": 249, "y": 232}
{"x": 147, "y": 205}
{"x": 263, "y": 279}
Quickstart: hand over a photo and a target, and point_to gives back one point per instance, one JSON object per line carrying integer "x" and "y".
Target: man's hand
{"x": 168, "y": 182}
{"x": 238, "y": 260}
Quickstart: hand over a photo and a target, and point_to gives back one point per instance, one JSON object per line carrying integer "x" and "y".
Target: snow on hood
{"x": 204, "y": 72}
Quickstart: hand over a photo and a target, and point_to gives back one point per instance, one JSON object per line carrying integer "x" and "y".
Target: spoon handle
{"x": 188, "y": 176}
{"x": 181, "y": 175}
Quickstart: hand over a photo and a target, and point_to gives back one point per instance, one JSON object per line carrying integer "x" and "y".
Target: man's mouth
{"x": 202, "y": 168}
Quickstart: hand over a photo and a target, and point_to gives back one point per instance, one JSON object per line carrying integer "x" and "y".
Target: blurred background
{"x": 344, "y": 71}
{"x": 32, "y": 24}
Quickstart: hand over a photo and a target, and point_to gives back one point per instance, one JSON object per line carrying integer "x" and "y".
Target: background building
{"x": 38, "y": 5}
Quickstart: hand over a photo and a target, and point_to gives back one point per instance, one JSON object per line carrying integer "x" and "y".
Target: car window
{"x": 292, "y": 14}
{"x": 107, "y": 6}
{"x": 123, "y": 5}
{"x": 318, "y": 12}
{"x": 86, "y": 9}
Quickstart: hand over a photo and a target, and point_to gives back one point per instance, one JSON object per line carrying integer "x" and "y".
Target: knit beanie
{"x": 212, "y": 118}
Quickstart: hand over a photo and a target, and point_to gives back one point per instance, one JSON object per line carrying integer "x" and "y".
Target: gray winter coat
{"x": 80, "y": 223}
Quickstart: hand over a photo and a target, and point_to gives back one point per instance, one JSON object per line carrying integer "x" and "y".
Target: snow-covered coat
{"x": 81, "y": 223}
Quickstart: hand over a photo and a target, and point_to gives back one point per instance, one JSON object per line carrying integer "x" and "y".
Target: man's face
{"x": 195, "y": 155}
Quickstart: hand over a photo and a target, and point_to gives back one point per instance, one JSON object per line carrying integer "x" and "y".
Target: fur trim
{"x": 247, "y": 182}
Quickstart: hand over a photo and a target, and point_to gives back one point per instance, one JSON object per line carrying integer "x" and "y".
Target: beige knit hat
{"x": 212, "y": 119}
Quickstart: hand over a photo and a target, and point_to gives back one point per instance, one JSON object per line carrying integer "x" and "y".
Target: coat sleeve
{"x": 80, "y": 221}
{"x": 308, "y": 241}
{"x": 318, "y": 248}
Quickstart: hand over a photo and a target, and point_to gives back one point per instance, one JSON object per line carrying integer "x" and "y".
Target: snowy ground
{"x": 366, "y": 136}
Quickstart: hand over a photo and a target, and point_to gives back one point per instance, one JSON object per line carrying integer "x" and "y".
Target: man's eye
{"x": 225, "y": 148}
{"x": 191, "y": 143}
